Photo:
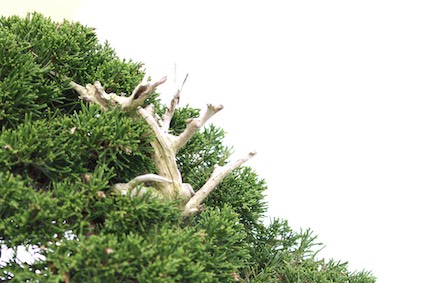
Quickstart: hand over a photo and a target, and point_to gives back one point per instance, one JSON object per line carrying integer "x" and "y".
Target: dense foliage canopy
{"x": 59, "y": 157}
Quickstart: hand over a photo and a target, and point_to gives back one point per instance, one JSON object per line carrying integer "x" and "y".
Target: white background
{"x": 329, "y": 93}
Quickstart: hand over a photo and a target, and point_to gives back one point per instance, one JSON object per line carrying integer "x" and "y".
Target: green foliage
{"x": 227, "y": 248}
{"x": 49, "y": 150}
{"x": 25, "y": 84}
{"x": 33, "y": 47}
{"x": 59, "y": 158}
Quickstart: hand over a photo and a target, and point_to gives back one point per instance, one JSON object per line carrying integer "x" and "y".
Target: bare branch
{"x": 194, "y": 124}
{"x": 124, "y": 188}
{"x": 148, "y": 115}
{"x": 168, "y": 180}
{"x": 82, "y": 91}
{"x": 141, "y": 92}
{"x": 219, "y": 173}
{"x": 96, "y": 94}
{"x": 91, "y": 93}
{"x": 172, "y": 107}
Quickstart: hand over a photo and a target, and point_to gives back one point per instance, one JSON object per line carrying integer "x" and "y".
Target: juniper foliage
{"x": 59, "y": 157}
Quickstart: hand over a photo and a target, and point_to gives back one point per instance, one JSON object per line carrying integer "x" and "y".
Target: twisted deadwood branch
{"x": 168, "y": 181}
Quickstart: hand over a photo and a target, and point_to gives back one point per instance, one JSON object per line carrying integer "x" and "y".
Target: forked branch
{"x": 168, "y": 181}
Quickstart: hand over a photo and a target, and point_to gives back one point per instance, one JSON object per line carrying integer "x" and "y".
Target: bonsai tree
{"x": 107, "y": 183}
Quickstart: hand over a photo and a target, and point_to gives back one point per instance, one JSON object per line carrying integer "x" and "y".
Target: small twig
{"x": 172, "y": 107}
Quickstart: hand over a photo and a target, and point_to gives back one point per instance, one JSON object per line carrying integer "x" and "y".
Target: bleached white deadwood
{"x": 168, "y": 181}
{"x": 131, "y": 187}
{"x": 219, "y": 173}
{"x": 95, "y": 93}
{"x": 194, "y": 124}
{"x": 172, "y": 107}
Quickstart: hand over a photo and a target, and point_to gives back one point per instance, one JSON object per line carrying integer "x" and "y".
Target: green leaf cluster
{"x": 59, "y": 158}
{"x": 34, "y": 48}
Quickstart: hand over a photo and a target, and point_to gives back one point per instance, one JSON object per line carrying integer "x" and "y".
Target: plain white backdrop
{"x": 329, "y": 93}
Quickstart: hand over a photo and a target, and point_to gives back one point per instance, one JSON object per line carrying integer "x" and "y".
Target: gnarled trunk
{"x": 168, "y": 181}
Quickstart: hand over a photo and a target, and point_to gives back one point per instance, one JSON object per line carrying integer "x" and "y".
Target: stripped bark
{"x": 168, "y": 181}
